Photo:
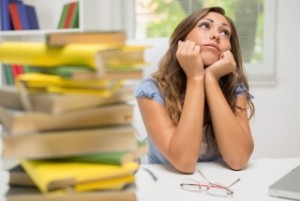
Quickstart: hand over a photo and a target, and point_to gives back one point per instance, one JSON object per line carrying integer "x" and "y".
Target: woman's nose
{"x": 214, "y": 35}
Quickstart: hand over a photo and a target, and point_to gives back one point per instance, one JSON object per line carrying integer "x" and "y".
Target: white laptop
{"x": 287, "y": 186}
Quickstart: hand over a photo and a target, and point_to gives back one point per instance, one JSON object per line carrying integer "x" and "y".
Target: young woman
{"x": 195, "y": 106}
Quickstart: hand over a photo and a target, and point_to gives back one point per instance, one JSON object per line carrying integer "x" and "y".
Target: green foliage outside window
{"x": 164, "y": 15}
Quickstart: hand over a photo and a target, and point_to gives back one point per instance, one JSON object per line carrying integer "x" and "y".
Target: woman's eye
{"x": 226, "y": 33}
{"x": 204, "y": 25}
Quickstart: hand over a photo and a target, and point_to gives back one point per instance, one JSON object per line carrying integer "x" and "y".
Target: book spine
{"x": 15, "y": 16}
{"x": 75, "y": 17}
{"x": 63, "y": 16}
{"x": 70, "y": 13}
{"x": 6, "y": 23}
{"x": 32, "y": 17}
{"x": 23, "y": 16}
{"x": 8, "y": 74}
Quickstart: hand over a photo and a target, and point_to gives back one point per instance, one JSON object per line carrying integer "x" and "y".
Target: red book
{"x": 70, "y": 13}
{"x": 15, "y": 16}
{"x": 14, "y": 70}
{"x": 19, "y": 69}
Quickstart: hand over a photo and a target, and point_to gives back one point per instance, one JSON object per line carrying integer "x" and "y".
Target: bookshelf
{"x": 94, "y": 15}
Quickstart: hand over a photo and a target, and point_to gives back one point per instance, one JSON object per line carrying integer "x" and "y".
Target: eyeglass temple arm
{"x": 236, "y": 181}
{"x": 225, "y": 187}
{"x": 203, "y": 176}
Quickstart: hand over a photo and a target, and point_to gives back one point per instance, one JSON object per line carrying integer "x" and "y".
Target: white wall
{"x": 276, "y": 125}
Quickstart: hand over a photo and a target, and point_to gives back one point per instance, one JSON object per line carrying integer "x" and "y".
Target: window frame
{"x": 258, "y": 74}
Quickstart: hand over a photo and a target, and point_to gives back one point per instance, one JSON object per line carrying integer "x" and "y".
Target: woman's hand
{"x": 225, "y": 65}
{"x": 188, "y": 56}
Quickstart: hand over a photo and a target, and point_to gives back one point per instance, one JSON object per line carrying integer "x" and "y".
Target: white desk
{"x": 254, "y": 183}
{"x": 255, "y": 180}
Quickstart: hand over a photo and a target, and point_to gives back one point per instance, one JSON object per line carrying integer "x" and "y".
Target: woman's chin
{"x": 207, "y": 63}
{"x": 209, "y": 60}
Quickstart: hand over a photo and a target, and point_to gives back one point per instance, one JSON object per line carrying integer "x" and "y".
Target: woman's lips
{"x": 212, "y": 46}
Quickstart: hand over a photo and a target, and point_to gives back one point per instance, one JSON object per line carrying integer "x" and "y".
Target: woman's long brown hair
{"x": 172, "y": 80}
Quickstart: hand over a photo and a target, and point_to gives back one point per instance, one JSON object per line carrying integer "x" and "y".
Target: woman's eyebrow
{"x": 212, "y": 21}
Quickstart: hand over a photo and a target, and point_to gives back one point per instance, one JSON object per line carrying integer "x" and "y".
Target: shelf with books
{"x": 94, "y": 15}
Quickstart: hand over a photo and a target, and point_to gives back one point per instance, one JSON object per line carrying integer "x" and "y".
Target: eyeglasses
{"x": 211, "y": 188}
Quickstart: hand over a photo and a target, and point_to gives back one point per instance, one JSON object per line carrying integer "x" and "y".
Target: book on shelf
{"x": 65, "y": 38}
{"x": 6, "y": 23}
{"x": 70, "y": 14}
{"x": 32, "y": 17}
{"x": 66, "y": 143}
{"x": 95, "y": 56}
{"x": 63, "y": 15}
{"x": 57, "y": 103}
{"x": 74, "y": 23}
{"x": 15, "y": 15}
{"x": 21, "y": 193}
{"x": 50, "y": 176}
{"x": 20, "y": 122}
{"x": 23, "y": 15}
{"x": 8, "y": 74}
{"x": 69, "y": 17}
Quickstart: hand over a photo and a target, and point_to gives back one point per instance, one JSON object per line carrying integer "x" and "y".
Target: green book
{"x": 63, "y": 16}
{"x": 26, "y": 69}
{"x": 111, "y": 158}
{"x": 75, "y": 17}
{"x": 8, "y": 74}
{"x": 62, "y": 71}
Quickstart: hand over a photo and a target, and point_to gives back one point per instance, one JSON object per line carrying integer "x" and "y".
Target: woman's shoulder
{"x": 148, "y": 88}
{"x": 241, "y": 89}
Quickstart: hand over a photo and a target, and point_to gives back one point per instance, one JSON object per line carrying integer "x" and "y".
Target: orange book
{"x": 70, "y": 13}
{"x": 15, "y": 16}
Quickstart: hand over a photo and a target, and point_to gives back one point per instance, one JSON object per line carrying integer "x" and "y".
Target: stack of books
{"x": 73, "y": 137}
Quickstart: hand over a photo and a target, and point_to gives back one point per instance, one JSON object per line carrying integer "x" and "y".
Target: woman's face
{"x": 213, "y": 34}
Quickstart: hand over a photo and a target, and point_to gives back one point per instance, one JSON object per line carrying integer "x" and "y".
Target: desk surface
{"x": 255, "y": 180}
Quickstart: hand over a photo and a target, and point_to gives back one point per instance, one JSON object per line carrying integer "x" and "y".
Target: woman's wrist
{"x": 196, "y": 79}
{"x": 210, "y": 76}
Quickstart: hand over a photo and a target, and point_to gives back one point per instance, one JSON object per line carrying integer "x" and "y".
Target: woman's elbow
{"x": 186, "y": 165}
{"x": 237, "y": 162}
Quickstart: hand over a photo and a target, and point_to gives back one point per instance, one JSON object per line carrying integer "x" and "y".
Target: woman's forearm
{"x": 185, "y": 145}
{"x": 234, "y": 141}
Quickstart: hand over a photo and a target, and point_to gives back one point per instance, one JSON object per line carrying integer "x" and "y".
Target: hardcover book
{"x": 95, "y": 56}
{"x": 65, "y": 38}
{"x": 21, "y": 193}
{"x": 20, "y": 122}
{"x": 57, "y": 104}
{"x": 50, "y": 176}
{"x": 69, "y": 143}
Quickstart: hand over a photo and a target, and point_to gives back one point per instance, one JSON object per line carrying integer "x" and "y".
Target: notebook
{"x": 287, "y": 186}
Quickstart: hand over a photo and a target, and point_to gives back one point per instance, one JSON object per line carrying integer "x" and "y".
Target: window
{"x": 254, "y": 20}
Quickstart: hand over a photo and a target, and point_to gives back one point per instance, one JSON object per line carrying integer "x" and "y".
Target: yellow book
{"x": 43, "y": 80}
{"x": 96, "y": 56}
{"x": 39, "y": 83}
{"x": 49, "y": 175}
{"x": 43, "y": 83}
{"x": 116, "y": 183}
